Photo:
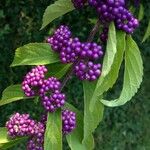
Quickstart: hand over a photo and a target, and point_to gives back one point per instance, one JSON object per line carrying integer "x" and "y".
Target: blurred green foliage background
{"x": 122, "y": 128}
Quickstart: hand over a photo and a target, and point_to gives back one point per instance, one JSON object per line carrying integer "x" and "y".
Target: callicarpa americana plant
{"x": 96, "y": 62}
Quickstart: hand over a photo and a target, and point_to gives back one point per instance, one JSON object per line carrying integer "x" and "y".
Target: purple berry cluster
{"x": 48, "y": 89}
{"x": 79, "y": 3}
{"x": 20, "y": 125}
{"x": 33, "y": 81}
{"x": 114, "y": 10}
{"x": 68, "y": 121}
{"x": 73, "y": 50}
{"x": 50, "y": 94}
{"x": 60, "y": 38}
{"x": 36, "y": 141}
{"x": 90, "y": 51}
{"x": 87, "y": 70}
{"x": 104, "y": 35}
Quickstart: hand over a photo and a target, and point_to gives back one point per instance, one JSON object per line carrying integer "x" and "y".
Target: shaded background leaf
{"x": 91, "y": 119}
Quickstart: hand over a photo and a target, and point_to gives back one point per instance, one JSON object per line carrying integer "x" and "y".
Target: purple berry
{"x": 68, "y": 121}
{"x": 20, "y": 125}
{"x": 90, "y": 51}
{"x": 114, "y": 10}
{"x": 33, "y": 81}
{"x": 104, "y": 35}
{"x": 68, "y": 53}
{"x": 87, "y": 70}
{"x": 60, "y": 38}
{"x": 79, "y": 3}
{"x": 52, "y": 98}
{"x": 36, "y": 142}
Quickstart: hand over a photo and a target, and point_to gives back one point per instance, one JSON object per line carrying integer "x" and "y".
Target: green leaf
{"x": 5, "y": 142}
{"x": 75, "y": 138}
{"x": 56, "y": 10}
{"x": 11, "y": 94}
{"x": 108, "y": 61}
{"x": 53, "y": 133}
{"x": 141, "y": 12}
{"x": 110, "y": 50}
{"x": 34, "y": 54}
{"x": 91, "y": 119}
{"x": 58, "y": 70}
{"x": 133, "y": 74}
{"x": 147, "y": 33}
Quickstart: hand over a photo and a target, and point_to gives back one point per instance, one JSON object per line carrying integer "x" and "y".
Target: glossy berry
{"x": 51, "y": 97}
{"x": 90, "y": 51}
{"x": 36, "y": 142}
{"x": 68, "y": 53}
{"x": 68, "y": 121}
{"x": 60, "y": 38}
{"x": 104, "y": 35}
{"x": 79, "y": 3}
{"x": 87, "y": 70}
{"x": 114, "y": 10}
{"x": 54, "y": 101}
{"x": 20, "y": 125}
{"x": 33, "y": 81}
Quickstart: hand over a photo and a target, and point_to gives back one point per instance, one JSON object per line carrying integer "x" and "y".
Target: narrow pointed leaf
{"x": 133, "y": 74}
{"x": 34, "y": 54}
{"x": 110, "y": 50}
{"x": 91, "y": 119}
{"x": 147, "y": 33}
{"x": 141, "y": 12}
{"x": 53, "y": 133}
{"x": 59, "y": 8}
{"x": 106, "y": 82}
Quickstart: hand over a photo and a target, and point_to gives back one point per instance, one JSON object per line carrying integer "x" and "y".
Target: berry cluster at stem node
{"x": 87, "y": 70}
{"x": 20, "y": 125}
{"x": 33, "y": 81}
{"x": 115, "y": 10}
{"x": 72, "y": 50}
{"x": 68, "y": 121}
{"x": 49, "y": 90}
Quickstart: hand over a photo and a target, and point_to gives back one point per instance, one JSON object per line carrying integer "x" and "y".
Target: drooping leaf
{"x": 11, "y": 94}
{"x": 107, "y": 64}
{"x": 147, "y": 33}
{"x": 133, "y": 74}
{"x": 59, "y": 8}
{"x": 58, "y": 70}
{"x": 91, "y": 119}
{"x": 110, "y": 50}
{"x": 141, "y": 12}
{"x": 53, "y": 133}
{"x": 75, "y": 138}
{"x": 34, "y": 54}
{"x": 6, "y": 142}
